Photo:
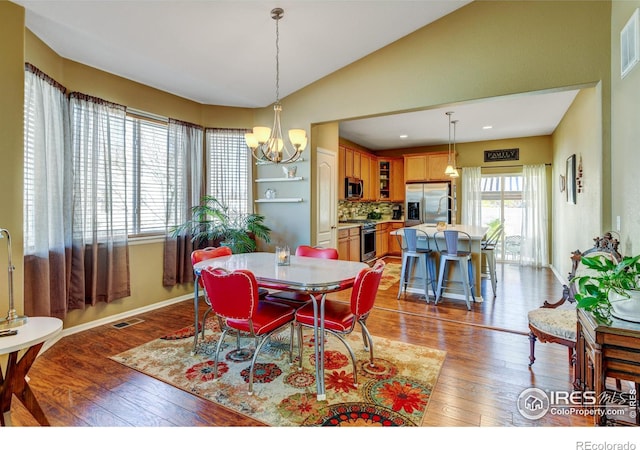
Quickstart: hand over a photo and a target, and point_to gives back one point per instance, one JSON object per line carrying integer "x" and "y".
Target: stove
{"x": 367, "y": 238}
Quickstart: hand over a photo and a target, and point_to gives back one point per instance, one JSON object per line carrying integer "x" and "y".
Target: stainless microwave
{"x": 353, "y": 188}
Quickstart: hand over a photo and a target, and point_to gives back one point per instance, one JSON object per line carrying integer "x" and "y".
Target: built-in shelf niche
{"x": 279, "y": 200}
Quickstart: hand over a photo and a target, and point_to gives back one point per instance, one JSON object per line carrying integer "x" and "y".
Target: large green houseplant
{"x": 610, "y": 288}
{"x": 213, "y": 223}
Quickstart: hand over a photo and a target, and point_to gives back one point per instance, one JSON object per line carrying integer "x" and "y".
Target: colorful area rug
{"x": 395, "y": 392}
{"x": 390, "y": 276}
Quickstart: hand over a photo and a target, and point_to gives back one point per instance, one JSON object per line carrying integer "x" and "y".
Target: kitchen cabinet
{"x": 341, "y": 171}
{"x": 426, "y": 167}
{"x": 385, "y": 179}
{"x": 349, "y": 244}
{"x": 415, "y": 168}
{"x": 394, "y": 246}
{"x": 352, "y": 163}
{"x": 358, "y": 164}
{"x": 436, "y": 164}
{"x": 397, "y": 180}
{"x": 365, "y": 176}
{"x": 382, "y": 239}
{"x": 391, "y": 180}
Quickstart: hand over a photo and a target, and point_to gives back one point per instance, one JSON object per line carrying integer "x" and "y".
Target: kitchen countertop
{"x": 346, "y": 225}
{"x": 476, "y": 233}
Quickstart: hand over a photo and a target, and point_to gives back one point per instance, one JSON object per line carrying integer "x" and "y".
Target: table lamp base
{"x": 12, "y": 320}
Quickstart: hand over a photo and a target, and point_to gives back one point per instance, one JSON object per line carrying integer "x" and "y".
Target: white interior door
{"x": 327, "y": 204}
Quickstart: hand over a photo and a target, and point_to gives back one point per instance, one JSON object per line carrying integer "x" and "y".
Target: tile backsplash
{"x": 359, "y": 210}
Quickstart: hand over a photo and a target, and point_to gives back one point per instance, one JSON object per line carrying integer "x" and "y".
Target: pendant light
{"x": 267, "y": 144}
{"x": 454, "y": 173}
{"x": 449, "y": 170}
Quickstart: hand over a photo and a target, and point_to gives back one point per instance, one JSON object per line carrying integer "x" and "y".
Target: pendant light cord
{"x": 277, "y": 61}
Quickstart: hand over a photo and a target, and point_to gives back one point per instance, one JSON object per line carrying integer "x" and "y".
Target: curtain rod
{"x": 505, "y": 167}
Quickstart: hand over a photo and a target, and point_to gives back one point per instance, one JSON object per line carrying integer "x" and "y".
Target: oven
{"x": 367, "y": 241}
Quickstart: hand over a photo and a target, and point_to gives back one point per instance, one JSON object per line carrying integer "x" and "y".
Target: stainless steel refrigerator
{"x": 428, "y": 203}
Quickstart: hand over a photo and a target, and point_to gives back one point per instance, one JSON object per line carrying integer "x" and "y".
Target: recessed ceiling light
{"x": 487, "y": 127}
{"x": 404, "y": 136}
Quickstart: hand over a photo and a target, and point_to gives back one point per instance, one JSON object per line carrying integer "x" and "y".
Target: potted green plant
{"x": 610, "y": 289}
{"x": 213, "y": 223}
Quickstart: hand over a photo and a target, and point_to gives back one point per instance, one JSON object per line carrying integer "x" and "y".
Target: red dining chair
{"x": 297, "y": 299}
{"x": 202, "y": 255}
{"x": 317, "y": 252}
{"x": 234, "y": 299}
{"x": 340, "y": 318}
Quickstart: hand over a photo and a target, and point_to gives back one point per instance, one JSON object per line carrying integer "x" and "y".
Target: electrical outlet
{"x": 618, "y": 223}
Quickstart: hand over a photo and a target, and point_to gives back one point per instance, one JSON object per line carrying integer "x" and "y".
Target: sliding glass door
{"x": 502, "y": 202}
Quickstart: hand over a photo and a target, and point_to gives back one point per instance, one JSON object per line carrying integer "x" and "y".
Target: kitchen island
{"x": 477, "y": 234}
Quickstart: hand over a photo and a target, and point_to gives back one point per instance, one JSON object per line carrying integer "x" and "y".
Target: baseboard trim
{"x": 114, "y": 318}
{"x": 559, "y": 277}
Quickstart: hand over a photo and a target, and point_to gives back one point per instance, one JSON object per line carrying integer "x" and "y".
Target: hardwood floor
{"x": 485, "y": 370}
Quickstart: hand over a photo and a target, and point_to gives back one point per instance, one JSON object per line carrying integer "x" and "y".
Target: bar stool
{"x": 408, "y": 240}
{"x": 451, "y": 253}
{"x": 489, "y": 251}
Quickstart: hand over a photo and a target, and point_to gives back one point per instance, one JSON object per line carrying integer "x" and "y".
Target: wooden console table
{"x": 608, "y": 351}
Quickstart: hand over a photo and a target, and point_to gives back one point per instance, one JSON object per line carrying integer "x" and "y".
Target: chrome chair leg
{"x": 365, "y": 331}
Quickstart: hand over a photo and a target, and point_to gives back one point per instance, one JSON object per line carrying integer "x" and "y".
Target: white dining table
{"x": 303, "y": 274}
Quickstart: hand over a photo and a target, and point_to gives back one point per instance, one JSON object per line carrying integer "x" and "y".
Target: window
{"x": 146, "y": 143}
{"x": 229, "y": 168}
{"x": 138, "y": 175}
{"x": 100, "y": 168}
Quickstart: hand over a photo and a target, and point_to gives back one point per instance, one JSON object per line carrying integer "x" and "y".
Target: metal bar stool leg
{"x": 465, "y": 282}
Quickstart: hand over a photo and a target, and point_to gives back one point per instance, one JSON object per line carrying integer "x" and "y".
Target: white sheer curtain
{"x": 534, "y": 249}
{"x": 471, "y": 196}
{"x": 100, "y": 252}
{"x": 184, "y": 190}
{"x": 47, "y": 195}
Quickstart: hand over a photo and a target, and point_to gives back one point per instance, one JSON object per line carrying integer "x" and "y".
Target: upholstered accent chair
{"x": 557, "y": 322}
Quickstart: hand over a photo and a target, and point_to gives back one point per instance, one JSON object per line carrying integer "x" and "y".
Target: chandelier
{"x": 451, "y": 160}
{"x": 267, "y": 144}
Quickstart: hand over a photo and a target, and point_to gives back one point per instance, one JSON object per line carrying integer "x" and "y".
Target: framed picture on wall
{"x": 570, "y": 179}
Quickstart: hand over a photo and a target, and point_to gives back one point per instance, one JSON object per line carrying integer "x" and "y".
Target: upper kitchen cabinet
{"x": 425, "y": 167}
{"x": 352, "y": 162}
{"x": 391, "y": 179}
{"x": 369, "y": 176}
{"x": 361, "y": 165}
{"x": 341, "y": 172}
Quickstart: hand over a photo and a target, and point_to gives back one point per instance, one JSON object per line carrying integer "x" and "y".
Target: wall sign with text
{"x": 507, "y": 154}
